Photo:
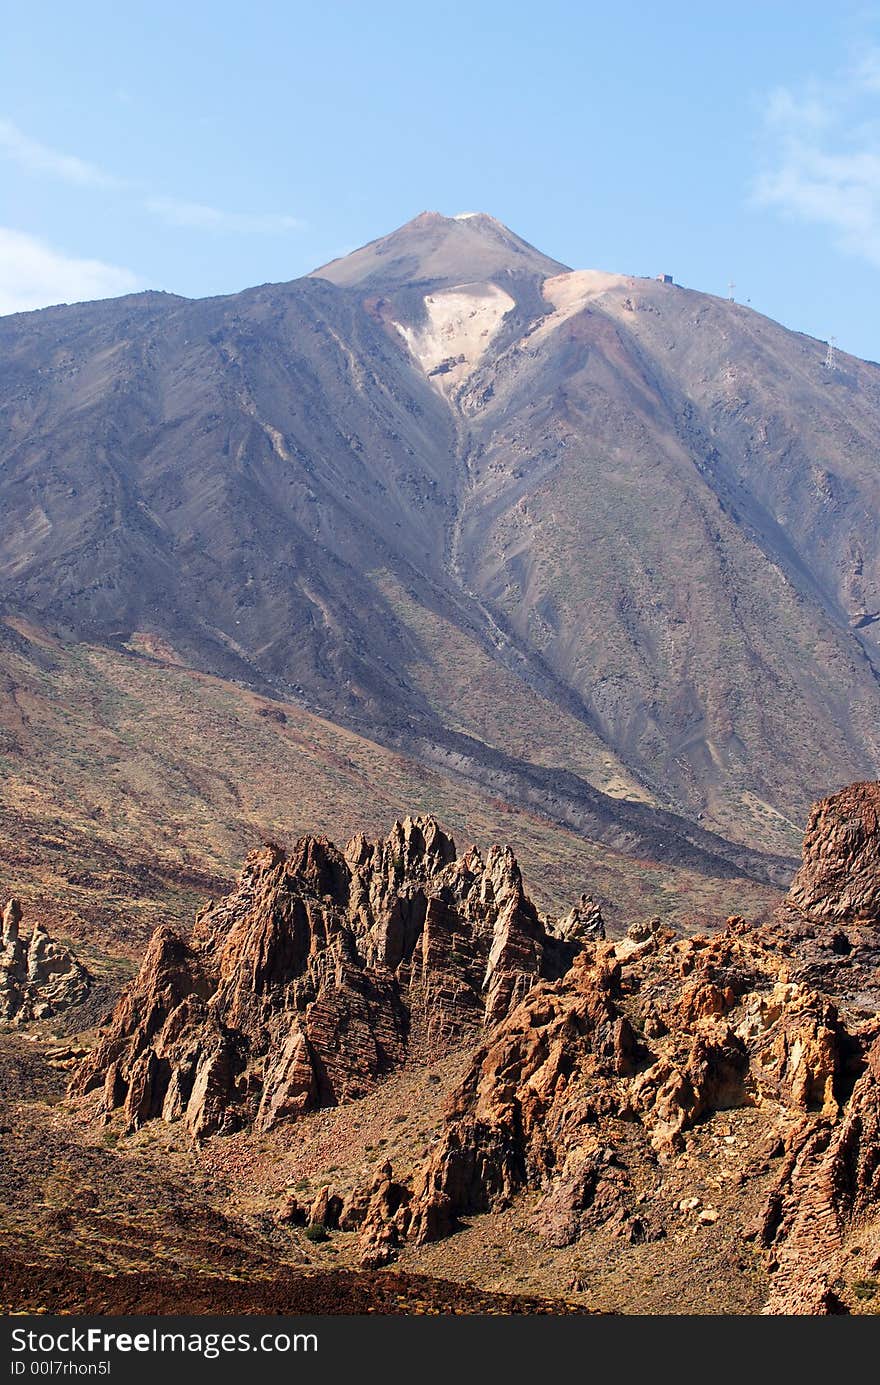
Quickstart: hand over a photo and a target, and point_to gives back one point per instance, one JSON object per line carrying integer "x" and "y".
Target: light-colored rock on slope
{"x": 38, "y": 976}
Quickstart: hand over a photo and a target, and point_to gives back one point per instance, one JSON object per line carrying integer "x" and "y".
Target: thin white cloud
{"x": 868, "y": 70}
{"x": 39, "y": 158}
{"x": 198, "y": 217}
{"x": 823, "y": 156}
{"x": 34, "y": 274}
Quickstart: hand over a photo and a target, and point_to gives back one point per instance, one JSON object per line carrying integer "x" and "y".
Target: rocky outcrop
{"x": 593, "y": 1079}
{"x": 38, "y": 976}
{"x": 829, "y": 1183}
{"x": 524, "y": 1113}
{"x": 839, "y": 879}
{"x": 317, "y": 976}
{"x": 604, "y": 1076}
{"x": 386, "y": 1219}
{"x": 615, "y": 1067}
{"x": 583, "y": 923}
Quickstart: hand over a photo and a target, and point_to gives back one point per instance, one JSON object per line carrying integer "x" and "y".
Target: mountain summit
{"x": 604, "y": 546}
{"x": 441, "y": 250}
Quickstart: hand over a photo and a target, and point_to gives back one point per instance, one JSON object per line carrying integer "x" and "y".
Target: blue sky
{"x": 202, "y": 147}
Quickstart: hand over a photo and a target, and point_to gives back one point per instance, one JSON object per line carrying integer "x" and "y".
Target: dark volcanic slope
{"x": 225, "y": 472}
{"x": 675, "y": 503}
{"x": 445, "y": 491}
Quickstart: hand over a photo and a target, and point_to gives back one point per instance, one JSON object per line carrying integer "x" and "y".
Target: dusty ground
{"x": 38, "y": 1289}
{"x": 95, "y": 1221}
{"x": 91, "y": 1222}
{"x": 151, "y": 1211}
{"x": 133, "y": 789}
{"x": 692, "y": 1267}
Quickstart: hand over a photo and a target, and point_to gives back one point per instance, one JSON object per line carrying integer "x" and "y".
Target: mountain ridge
{"x": 617, "y": 505}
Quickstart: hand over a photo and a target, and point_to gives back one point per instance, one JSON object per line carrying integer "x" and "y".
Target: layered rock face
{"x": 840, "y": 875}
{"x": 606, "y": 1073}
{"x": 829, "y": 1185}
{"x": 318, "y": 975}
{"x": 38, "y": 976}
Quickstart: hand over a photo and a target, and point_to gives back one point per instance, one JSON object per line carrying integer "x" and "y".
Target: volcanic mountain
{"x": 601, "y": 547}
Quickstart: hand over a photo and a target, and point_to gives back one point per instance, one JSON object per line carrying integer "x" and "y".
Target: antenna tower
{"x": 730, "y": 287}
{"x": 830, "y": 356}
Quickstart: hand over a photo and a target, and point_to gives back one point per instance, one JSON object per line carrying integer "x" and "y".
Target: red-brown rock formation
{"x": 314, "y": 977}
{"x": 602, "y": 1073}
{"x": 829, "y": 1182}
{"x": 840, "y": 875}
{"x": 598, "y": 1068}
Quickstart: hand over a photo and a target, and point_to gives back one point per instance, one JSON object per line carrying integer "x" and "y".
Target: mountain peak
{"x": 436, "y": 249}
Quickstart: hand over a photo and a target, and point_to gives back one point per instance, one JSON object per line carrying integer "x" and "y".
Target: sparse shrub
{"x": 865, "y": 1288}
{"x": 317, "y": 1233}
